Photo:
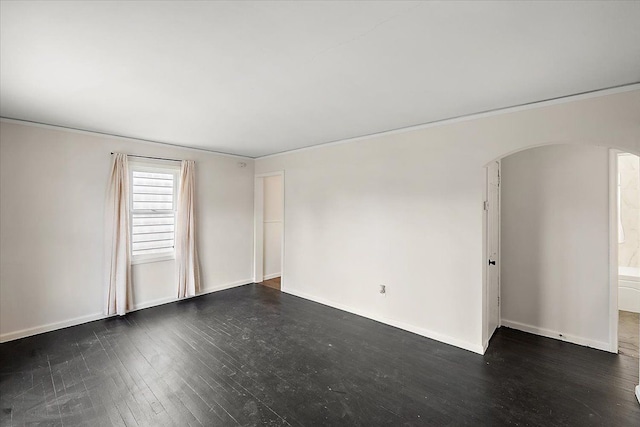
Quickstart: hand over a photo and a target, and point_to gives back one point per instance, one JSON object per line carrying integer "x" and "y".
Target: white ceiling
{"x": 255, "y": 78}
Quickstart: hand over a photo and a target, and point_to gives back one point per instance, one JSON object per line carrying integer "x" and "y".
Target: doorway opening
{"x": 627, "y": 213}
{"x": 551, "y": 246}
{"x": 269, "y": 230}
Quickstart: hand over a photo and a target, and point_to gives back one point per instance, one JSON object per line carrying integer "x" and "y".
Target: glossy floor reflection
{"x": 252, "y": 356}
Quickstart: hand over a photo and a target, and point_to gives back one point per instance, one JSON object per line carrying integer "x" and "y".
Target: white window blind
{"x": 153, "y": 213}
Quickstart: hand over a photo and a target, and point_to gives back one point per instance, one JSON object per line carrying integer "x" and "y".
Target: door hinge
{"x": 485, "y": 205}
{"x": 498, "y": 299}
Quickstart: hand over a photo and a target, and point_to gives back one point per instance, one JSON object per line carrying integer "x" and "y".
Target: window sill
{"x": 157, "y": 258}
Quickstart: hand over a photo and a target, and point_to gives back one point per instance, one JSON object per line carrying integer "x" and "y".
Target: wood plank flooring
{"x": 255, "y": 356}
{"x": 629, "y": 334}
{"x": 272, "y": 283}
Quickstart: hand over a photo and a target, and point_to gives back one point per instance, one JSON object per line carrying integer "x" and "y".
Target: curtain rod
{"x": 153, "y": 158}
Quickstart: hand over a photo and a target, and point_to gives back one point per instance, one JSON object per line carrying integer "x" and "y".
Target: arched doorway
{"x": 558, "y": 235}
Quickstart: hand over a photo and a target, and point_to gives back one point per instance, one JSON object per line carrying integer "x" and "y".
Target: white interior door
{"x": 493, "y": 247}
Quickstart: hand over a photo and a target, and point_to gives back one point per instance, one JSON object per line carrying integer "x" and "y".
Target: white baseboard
{"x": 10, "y": 336}
{"x": 226, "y": 286}
{"x": 638, "y": 393}
{"x": 476, "y": 348}
{"x": 23, "y": 333}
{"x": 600, "y": 345}
{"x": 272, "y": 276}
{"x": 168, "y": 300}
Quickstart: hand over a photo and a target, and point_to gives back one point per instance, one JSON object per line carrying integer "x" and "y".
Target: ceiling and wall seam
{"x": 506, "y": 110}
{"x": 127, "y": 138}
{"x": 474, "y": 116}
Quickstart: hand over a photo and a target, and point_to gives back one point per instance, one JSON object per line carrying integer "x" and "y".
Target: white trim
{"x": 258, "y": 228}
{"x": 613, "y": 250}
{"x": 638, "y": 393}
{"x": 485, "y": 284}
{"x": 154, "y": 166}
{"x": 282, "y": 242}
{"x": 266, "y": 174}
{"x": 10, "y": 336}
{"x": 140, "y": 259}
{"x": 168, "y": 300}
{"x": 487, "y": 303}
{"x": 600, "y": 345}
{"x": 118, "y": 137}
{"x": 474, "y": 116}
{"x": 272, "y": 276}
{"x": 499, "y": 161}
{"x": 23, "y": 333}
{"x": 475, "y": 348}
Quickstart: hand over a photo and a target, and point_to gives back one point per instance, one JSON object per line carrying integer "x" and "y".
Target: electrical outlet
{"x": 383, "y": 289}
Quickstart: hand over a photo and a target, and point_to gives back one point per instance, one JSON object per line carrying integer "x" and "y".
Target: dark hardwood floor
{"x": 252, "y": 356}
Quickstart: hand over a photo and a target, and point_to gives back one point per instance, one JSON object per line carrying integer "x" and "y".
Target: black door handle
{"x": 492, "y": 262}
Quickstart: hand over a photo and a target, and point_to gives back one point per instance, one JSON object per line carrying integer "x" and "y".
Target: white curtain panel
{"x": 118, "y": 245}
{"x": 186, "y": 253}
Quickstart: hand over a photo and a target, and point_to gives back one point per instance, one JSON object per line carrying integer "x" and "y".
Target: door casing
{"x": 258, "y": 228}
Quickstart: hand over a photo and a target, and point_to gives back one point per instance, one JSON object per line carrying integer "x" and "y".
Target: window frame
{"x": 153, "y": 166}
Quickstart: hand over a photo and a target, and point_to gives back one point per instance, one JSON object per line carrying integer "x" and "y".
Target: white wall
{"x": 52, "y": 192}
{"x": 272, "y": 226}
{"x": 629, "y": 247}
{"x": 555, "y": 243}
{"x": 405, "y": 209}
{"x": 629, "y": 212}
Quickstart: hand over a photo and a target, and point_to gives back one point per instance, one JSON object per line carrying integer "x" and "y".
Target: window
{"x": 153, "y": 210}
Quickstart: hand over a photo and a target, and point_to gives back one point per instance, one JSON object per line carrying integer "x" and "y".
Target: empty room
{"x": 292, "y": 213}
